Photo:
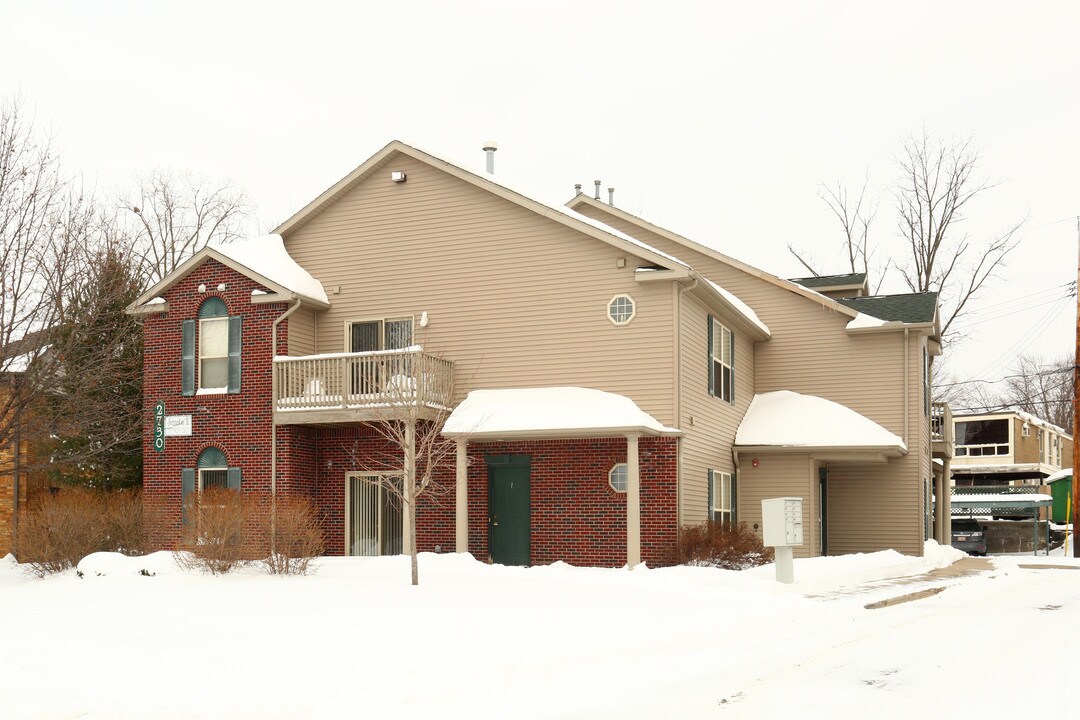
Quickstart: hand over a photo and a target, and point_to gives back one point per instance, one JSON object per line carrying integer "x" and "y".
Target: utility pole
{"x": 1076, "y": 407}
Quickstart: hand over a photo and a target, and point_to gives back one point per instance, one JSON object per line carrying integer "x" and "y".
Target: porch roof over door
{"x": 546, "y": 413}
{"x": 788, "y": 421}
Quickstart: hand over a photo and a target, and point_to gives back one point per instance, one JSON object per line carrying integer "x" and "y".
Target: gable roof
{"x": 672, "y": 267}
{"x": 584, "y": 199}
{"x": 490, "y": 183}
{"x": 264, "y": 260}
{"x": 915, "y": 308}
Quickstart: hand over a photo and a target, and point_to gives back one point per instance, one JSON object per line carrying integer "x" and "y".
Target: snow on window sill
{"x": 212, "y": 391}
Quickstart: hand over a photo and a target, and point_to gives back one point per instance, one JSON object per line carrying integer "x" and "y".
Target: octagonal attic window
{"x": 621, "y": 309}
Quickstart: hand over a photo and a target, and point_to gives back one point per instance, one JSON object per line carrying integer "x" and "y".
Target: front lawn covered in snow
{"x": 480, "y": 641}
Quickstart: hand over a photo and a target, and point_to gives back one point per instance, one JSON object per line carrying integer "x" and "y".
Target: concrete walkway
{"x": 893, "y": 591}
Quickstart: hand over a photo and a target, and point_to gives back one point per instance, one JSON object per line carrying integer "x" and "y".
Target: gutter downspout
{"x": 273, "y": 426}
{"x": 907, "y": 392}
{"x": 678, "y": 400}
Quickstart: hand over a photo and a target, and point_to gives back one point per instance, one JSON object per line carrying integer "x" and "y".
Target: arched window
{"x": 211, "y": 471}
{"x": 211, "y": 365}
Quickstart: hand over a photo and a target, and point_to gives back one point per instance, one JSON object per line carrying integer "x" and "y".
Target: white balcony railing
{"x": 362, "y": 380}
{"x": 941, "y": 429}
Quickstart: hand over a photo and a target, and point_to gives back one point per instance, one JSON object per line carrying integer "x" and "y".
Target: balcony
{"x": 359, "y": 387}
{"x": 942, "y": 439}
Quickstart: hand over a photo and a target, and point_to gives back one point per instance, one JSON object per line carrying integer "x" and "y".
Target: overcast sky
{"x": 718, "y": 120}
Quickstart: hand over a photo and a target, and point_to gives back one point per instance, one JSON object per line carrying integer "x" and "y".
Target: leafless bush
{"x": 60, "y": 530}
{"x": 297, "y": 537}
{"x": 220, "y": 531}
{"x": 722, "y": 545}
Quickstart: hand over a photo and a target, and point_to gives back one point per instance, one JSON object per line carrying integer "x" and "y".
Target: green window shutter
{"x": 731, "y": 336}
{"x": 187, "y": 483}
{"x": 234, "y": 354}
{"x": 709, "y": 359}
{"x": 234, "y": 478}
{"x": 709, "y": 509}
{"x": 187, "y": 358}
{"x": 734, "y": 497}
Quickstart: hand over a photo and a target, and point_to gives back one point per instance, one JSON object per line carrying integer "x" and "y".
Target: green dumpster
{"x": 1060, "y": 488}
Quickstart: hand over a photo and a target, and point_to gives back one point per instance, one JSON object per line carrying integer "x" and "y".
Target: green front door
{"x": 508, "y": 509}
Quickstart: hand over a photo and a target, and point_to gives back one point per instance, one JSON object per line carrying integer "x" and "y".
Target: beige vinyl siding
{"x": 811, "y": 352}
{"x": 709, "y": 422}
{"x": 781, "y": 475}
{"x": 302, "y": 332}
{"x": 873, "y": 510}
{"x": 514, "y": 299}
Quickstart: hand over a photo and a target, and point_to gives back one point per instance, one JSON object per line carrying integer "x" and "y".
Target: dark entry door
{"x": 508, "y": 509}
{"x": 823, "y": 508}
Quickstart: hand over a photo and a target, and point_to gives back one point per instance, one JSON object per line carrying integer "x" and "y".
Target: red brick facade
{"x": 237, "y": 424}
{"x": 576, "y": 516}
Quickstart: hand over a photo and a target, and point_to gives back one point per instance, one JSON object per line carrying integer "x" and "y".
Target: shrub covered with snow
{"x": 732, "y": 546}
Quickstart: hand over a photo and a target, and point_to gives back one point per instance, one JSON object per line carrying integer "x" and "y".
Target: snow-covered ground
{"x": 480, "y": 641}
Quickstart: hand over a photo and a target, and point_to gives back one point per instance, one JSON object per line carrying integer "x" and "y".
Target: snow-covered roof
{"x": 789, "y": 419}
{"x": 19, "y": 363}
{"x": 745, "y": 310}
{"x": 1063, "y": 474}
{"x": 263, "y": 259}
{"x": 863, "y": 321}
{"x": 267, "y": 257}
{"x": 1000, "y": 498}
{"x": 550, "y": 412}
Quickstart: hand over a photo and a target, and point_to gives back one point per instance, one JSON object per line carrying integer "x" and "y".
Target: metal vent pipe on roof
{"x": 577, "y": 189}
{"x": 489, "y": 150}
{"x": 611, "y": 197}
{"x": 597, "y": 195}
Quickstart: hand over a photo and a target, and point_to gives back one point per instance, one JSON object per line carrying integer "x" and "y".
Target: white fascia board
{"x": 562, "y": 434}
{"x": 852, "y": 454}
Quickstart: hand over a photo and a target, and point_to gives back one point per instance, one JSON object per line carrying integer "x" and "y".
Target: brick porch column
{"x": 633, "y": 503}
{"x": 461, "y": 525}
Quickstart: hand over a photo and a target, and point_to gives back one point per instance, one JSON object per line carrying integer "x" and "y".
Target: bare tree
{"x": 1044, "y": 388}
{"x": 855, "y": 215}
{"x": 409, "y": 403}
{"x": 42, "y": 223}
{"x": 939, "y": 180}
{"x": 175, "y": 215}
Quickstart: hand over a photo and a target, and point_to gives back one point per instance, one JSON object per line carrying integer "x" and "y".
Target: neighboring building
{"x": 1008, "y": 448}
{"x": 18, "y": 487}
{"x": 611, "y": 380}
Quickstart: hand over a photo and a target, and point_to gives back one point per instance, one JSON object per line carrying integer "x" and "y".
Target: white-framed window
{"x": 721, "y": 361}
{"x": 214, "y": 353}
{"x": 617, "y": 477}
{"x": 721, "y": 496}
{"x": 621, "y": 309}
{"x": 210, "y": 350}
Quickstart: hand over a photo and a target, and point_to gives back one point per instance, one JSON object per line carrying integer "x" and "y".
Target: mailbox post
{"x": 782, "y": 529}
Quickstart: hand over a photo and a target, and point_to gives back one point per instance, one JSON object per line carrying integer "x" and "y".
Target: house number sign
{"x": 159, "y": 427}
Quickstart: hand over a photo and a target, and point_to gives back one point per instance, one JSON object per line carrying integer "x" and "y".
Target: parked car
{"x": 969, "y": 535}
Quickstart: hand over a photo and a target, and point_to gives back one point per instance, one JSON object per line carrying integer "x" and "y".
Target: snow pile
{"x": 789, "y": 419}
{"x": 267, "y": 256}
{"x": 559, "y": 411}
